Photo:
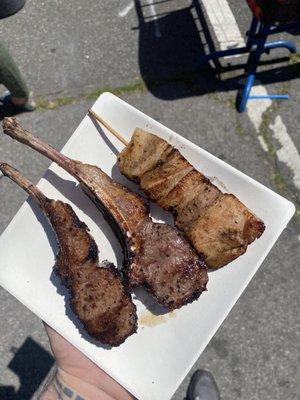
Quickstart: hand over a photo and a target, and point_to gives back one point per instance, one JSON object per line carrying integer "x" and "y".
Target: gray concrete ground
{"x": 66, "y": 50}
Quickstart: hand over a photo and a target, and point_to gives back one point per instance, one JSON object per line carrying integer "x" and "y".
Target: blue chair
{"x": 269, "y": 17}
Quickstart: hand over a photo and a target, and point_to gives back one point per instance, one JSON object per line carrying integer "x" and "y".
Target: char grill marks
{"x": 218, "y": 225}
{"x": 155, "y": 255}
{"x": 167, "y": 265}
{"x": 97, "y": 294}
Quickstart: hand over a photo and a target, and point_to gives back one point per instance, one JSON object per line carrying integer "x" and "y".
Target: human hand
{"x": 81, "y": 374}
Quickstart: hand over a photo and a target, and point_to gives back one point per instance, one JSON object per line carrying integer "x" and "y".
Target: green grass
{"x": 264, "y": 129}
{"x": 295, "y": 58}
{"x": 44, "y": 104}
{"x": 239, "y": 129}
{"x": 297, "y": 205}
{"x": 51, "y": 104}
{"x": 279, "y": 179}
{"x": 138, "y": 86}
{"x": 190, "y": 79}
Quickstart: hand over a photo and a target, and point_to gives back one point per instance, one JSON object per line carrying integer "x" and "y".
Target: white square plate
{"x": 152, "y": 363}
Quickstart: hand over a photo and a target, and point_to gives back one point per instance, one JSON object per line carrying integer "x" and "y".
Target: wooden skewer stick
{"x": 107, "y": 126}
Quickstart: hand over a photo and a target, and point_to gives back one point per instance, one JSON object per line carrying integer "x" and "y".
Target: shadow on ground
{"x": 31, "y": 363}
{"x": 173, "y": 45}
{"x": 6, "y": 111}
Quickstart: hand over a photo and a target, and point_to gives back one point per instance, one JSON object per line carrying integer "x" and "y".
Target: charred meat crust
{"x": 112, "y": 321}
{"x": 92, "y": 252}
{"x": 167, "y": 265}
{"x": 76, "y": 264}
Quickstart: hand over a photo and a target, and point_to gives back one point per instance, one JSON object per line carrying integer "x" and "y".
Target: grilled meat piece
{"x": 155, "y": 255}
{"x": 189, "y": 204}
{"x": 163, "y": 178}
{"x": 166, "y": 264}
{"x": 224, "y": 230}
{"x": 219, "y": 226}
{"x": 142, "y": 154}
{"x": 98, "y": 296}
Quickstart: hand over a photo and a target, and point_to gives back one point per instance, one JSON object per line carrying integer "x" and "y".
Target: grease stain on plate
{"x": 147, "y": 319}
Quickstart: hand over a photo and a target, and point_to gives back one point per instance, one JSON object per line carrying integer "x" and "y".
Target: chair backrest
{"x": 274, "y": 12}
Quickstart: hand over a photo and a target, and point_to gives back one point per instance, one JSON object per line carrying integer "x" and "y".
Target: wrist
{"x": 71, "y": 387}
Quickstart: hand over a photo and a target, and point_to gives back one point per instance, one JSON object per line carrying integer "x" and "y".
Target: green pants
{"x": 10, "y": 75}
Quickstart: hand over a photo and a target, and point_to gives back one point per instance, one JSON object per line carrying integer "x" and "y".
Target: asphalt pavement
{"x": 69, "y": 53}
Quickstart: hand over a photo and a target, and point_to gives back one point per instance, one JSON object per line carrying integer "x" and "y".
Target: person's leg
{"x": 203, "y": 387}
{"x": 10, "y": 75}
{"x": 11, "y": 78}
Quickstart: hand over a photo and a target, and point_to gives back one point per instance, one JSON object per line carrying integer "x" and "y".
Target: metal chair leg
{"x": 256, "y": 45}
{"x": 243, "y": 95}
{"x": 287, "y": 44}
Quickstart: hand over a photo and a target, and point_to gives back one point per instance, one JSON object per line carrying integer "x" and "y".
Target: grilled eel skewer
{"x": 219, "y": 226}
{"x": 156, "y": 255}
{"x": 98, "y": 296}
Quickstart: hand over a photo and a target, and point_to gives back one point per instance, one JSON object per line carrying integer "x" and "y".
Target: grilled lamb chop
{"x": 98, "y": 296}
{"x": 218, "y": 225}
{"x": 155, "y": 255}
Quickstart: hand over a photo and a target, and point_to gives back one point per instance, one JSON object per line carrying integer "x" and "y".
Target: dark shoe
{"x": 9, "y": 105}
{"x": 203, "y": 387}
{"x": 10, "y": 7}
